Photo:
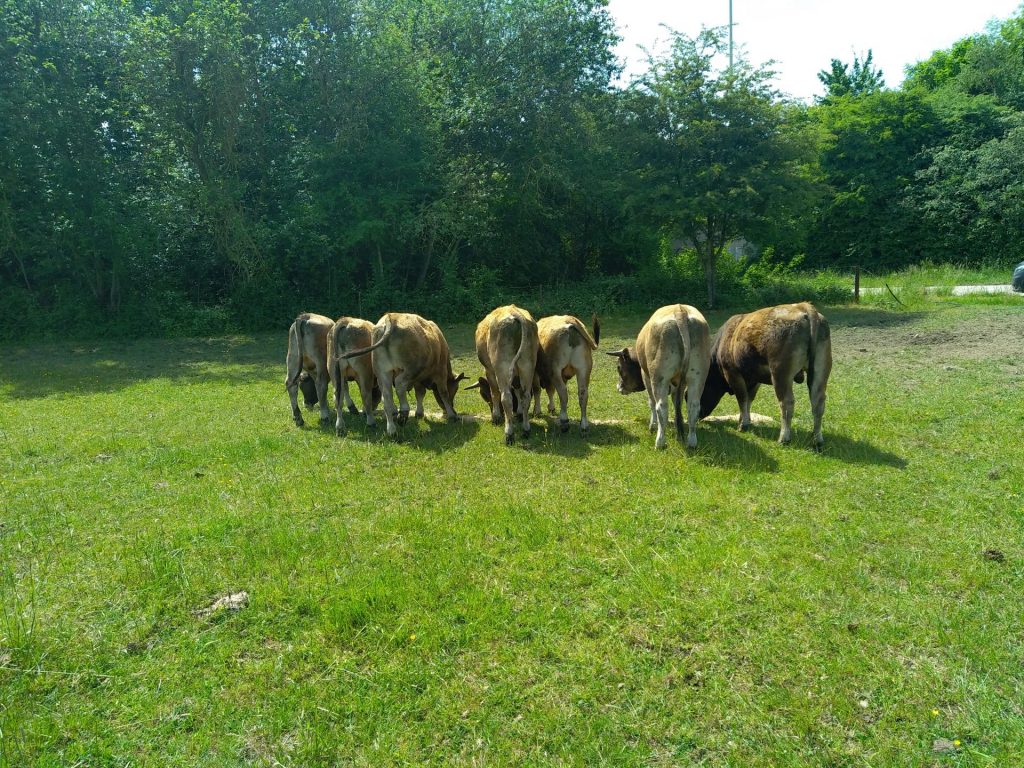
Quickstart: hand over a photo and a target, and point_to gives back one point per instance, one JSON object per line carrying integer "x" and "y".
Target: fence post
{"x": 856, "y": 285}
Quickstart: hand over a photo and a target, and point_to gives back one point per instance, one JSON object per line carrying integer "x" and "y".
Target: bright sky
{"x": 803, "y": 36}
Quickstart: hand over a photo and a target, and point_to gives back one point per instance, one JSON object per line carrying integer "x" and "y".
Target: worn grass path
{"x": 446, "y": 600}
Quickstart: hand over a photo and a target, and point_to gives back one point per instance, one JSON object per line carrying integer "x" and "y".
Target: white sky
{"x": 803, "y": 36}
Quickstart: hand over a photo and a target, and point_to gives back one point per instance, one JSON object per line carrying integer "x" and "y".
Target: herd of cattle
{"x": 674, "y": 356}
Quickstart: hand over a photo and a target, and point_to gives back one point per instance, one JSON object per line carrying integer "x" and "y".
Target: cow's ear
{"x": 460, "y": 377}
{"x": 474, "y": 386}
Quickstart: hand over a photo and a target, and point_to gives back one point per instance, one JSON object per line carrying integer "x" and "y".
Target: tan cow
{"x": 410, "y": 352}
{"x": 349, "y": 334}
{"x": 671, "y": 356}
{"x": 777, "y": 346}
{"x": 307, "y": 351}
{"x": 566, "y": 350}
{"x": 506, "y": 345}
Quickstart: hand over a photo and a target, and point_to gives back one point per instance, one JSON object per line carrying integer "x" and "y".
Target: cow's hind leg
{"x": 507, "y": 406}
{"x": 339, "y": 388}
{"x": 525, "y": 396}
{"x": 695, "y": 380}
{"x": 402, "y": 390}
{"x": 563, "y": 401}
{"x": 583, "y": 391}
{"x": 816, "y": 385}
{"x": 783, "y": 384}
{"x": 365, "y": 382}
{"x": 349, "y": 402}
{"x": 386, "y": 382}
{"x": 421, "y": 392}
{"x": 321, "y": 395}
{"x": 292, "y": 386}
{"x": 677, "y": 407}
{"x": 661, "y": 390}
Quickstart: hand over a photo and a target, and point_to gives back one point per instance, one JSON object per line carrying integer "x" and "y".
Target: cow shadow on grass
{"x": 546, "y": 436}
{"x": 722, "y": 445}
{"x": 836, "y": 446}
{"x": 431, "y": 432}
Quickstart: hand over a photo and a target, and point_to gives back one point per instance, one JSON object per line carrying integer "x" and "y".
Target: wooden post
{"x": 856, "y": 285}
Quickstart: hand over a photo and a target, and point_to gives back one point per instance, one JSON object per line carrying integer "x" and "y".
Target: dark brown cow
{"x": 506, "y": 345}
{"x": 349, "y": 334}
{"x": 671, "y": 356}
{"x": 307, "y": 351}
{"x": 566, "y": 350}
{"x": 410, "y": 352}
{"x": 777, "y": 346}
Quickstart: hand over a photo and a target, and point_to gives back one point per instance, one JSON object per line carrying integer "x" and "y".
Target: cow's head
{"x": 630, "y": 377}
{"x": 453, "y": 388}
{"x": 308, "y": 387}
{"x": 485, "y": 392}
{"x": 715, "y": 388}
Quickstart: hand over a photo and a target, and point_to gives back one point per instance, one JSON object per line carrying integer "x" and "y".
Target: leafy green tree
{"x": 870, "y": 160}
{"x": 859, "y": 80}
{"x": 724, "y": 158}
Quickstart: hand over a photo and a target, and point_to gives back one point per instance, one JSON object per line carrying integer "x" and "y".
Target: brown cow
{"x": 410, "y": 352}
{"x": 348, "y": 334}
{"x": 506, "y": 345}
{"x": 672, "y": 354}
{"x": 566, "y": 350}
{"x": 776, "y": 346}
{"x": 307, "y": 351}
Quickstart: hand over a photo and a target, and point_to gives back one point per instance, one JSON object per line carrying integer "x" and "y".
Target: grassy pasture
{"x": 446, "y": 600}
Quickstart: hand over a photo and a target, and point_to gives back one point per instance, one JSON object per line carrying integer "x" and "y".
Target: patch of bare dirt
{"x": 975, "y": 333}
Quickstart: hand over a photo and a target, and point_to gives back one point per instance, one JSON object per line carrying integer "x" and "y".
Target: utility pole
{"x": 730, "y": 35}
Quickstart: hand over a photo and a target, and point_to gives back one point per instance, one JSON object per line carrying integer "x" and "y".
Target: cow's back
{"x": 669, "y": 337}
{"x": 416, "y": 345}
{"x": 310, "y": 331}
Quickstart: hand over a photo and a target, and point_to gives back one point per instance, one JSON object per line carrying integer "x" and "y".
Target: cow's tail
{"x": 683, "y": 324}
{"x": 819, "y": 332}
{"x": 519, "y": 352}
{"x": 295, "y": 343}
{"x": 389, "y": 327}
{"x": 591, "y": 341}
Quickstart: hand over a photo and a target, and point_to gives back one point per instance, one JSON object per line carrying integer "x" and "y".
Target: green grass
{"x": 446, "y": 600}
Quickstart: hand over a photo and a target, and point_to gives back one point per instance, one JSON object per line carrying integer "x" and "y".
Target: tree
{"x": 724, "y": 158}
{"x": 843, "y": 80}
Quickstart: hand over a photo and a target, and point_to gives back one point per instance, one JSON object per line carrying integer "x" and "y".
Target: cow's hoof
{"x": 744, "y": 427}
{"x": 339, "y": 431}
{"x": 584, "y": 431}
{"x": 299, "y": 422}
{"x": 352, "y": 409}
{"x": 564, "y": 426}
{"x": 526, "y": 434}
{"x": 325, "y": 420}
{"x": 453, "y": 418}
{"x": 403, "y": 418}
{"x": 660, "y": 445}
{"x": 496, "y": 420}
{"x": 509, "y": 439}
{"x": 784, "y": 439}
{"x": 691, "y": 442}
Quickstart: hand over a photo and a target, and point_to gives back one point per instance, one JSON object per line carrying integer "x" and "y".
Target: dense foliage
{"x": 184, "y": 166}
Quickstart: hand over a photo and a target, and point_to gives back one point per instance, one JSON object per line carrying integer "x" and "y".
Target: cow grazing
{"x": 671, "y": 356}
{"x": 307, "y": 352}
{"x": 349, "y": 334}
{"x": 506, "y": 345}
{"x": 777, "y": 346}
{"x": 566, "y": 350}
{"x": 410, "y": 352}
